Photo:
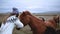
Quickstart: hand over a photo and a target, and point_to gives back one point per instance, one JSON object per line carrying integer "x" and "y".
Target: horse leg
{"x": 0, "y": 24}
{"x": 57, "y": 31}
{"x": 50, "y": 30}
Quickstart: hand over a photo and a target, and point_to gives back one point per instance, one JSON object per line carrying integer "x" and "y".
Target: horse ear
{"x": 23, "y": 12}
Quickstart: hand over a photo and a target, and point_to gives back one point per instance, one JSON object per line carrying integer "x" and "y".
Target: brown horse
{"x": 52, "y": 22}
{"x": 37, "y": 25}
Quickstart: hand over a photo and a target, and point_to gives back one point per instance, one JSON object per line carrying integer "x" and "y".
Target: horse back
{"x": 51, "y": 23}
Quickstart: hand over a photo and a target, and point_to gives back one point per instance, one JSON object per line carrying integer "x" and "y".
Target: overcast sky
{"x": 34, "y": 6}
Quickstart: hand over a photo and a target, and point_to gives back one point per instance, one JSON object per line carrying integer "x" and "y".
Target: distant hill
{"x": 45, "y": 13}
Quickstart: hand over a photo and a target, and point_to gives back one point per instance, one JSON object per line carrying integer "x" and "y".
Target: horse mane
{"x": 23, "y": 15}
{"x": 27, "y": 13}
{"x": 32, "y": 16}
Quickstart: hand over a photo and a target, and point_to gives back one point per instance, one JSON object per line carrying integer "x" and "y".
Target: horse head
{"x": 24, "y": 17}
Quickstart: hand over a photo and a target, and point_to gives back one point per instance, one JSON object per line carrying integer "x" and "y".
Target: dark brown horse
{"x": 37, "y": 25}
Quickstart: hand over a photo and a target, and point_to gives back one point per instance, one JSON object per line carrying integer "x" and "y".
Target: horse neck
{"x": 35, "y": 22}
{"x": 37, "y": 26}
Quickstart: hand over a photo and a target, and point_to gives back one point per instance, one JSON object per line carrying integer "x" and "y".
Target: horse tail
{"x": 50, "y": 30}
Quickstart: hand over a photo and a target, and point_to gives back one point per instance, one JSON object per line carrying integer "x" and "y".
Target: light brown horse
{"x": 37, "y": 25}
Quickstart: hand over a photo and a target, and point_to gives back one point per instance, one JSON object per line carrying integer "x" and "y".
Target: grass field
{"x": 26, "y": 29}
